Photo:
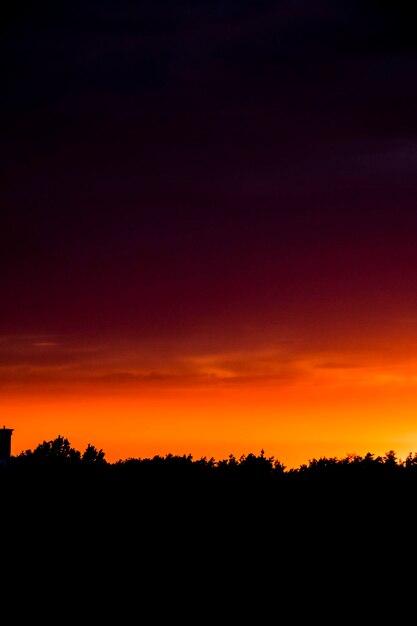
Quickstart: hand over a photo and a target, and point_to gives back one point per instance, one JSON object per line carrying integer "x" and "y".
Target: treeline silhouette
{"x": 59, "y": 455}
{"x": 55, "y": 464}
{"x": 176, "y": 526}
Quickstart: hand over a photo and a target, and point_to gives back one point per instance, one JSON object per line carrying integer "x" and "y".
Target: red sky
{"x": 208, "y": 228}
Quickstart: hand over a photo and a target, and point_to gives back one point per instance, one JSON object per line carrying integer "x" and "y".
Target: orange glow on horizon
{"x": 293, "y": 403}
{"x": 337, "y": 413}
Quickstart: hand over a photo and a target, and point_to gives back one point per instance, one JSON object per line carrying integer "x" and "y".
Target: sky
{"x": 208, "y": 227}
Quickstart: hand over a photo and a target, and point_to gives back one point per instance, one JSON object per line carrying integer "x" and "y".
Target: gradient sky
{"x": 208, "y": 227}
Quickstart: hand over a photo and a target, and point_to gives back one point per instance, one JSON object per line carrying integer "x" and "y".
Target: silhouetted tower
{"x": 5, "y": 444}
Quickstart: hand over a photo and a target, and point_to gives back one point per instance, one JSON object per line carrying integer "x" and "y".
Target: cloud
{"x": 56, "y": 363}
{"x": 28, "y": 361}
{"x": 335, "y": 365}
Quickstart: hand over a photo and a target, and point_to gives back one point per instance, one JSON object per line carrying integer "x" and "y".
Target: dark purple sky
{"x": 172, "y": 166}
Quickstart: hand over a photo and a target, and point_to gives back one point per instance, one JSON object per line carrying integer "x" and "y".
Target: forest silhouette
{"x": 254, "y": 482}
{"x": 57, "y": 458}
{"x": 58, "y": 455}
{"x": 164, "y": 529}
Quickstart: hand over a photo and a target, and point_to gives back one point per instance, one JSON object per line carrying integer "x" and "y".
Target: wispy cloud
{"x": 61, "y": 362}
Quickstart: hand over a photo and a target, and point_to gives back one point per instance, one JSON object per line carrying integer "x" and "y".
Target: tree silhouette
{"x": 92, "y": 455}
{"x": 59, "y": 452}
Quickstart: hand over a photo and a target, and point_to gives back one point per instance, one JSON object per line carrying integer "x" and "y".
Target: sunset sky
{"x": 208, "y": 227}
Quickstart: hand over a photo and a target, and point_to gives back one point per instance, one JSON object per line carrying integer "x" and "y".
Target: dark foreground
{"x": 174, "y": 537}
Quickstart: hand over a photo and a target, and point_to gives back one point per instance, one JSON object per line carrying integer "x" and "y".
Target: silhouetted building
{"x": 5, "y": 444}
